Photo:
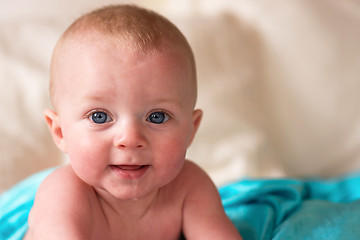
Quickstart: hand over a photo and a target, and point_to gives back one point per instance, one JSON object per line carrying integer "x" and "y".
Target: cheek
{"x": 170, "y": 154}
{"x": 87, "y": 156}
{"x": 177, "y": 145}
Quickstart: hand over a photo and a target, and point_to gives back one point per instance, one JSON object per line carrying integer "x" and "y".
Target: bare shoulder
{"x": 62, "y": 185}
{"x": 192, "y": 172}
{"x": 203, "y": 214}
{"x": 194, "y": 178}
{"x": 62, "y": 202}
{"x": 196, "y": 182}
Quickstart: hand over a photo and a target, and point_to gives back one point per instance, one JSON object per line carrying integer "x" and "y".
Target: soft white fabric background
{"x": 279, "y": 83}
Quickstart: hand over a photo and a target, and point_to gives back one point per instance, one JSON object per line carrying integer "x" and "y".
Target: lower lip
{"x": 129, "y": 173}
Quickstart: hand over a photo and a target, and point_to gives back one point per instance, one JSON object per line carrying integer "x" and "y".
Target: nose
{"x": 130, "y": 136}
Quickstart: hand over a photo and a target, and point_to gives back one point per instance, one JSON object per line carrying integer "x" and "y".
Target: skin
{"x": 127, "y": 177}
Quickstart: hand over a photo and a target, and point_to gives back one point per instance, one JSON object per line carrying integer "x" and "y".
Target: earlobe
{"x": 53, "y": 123}
{"x": 196, "y": 119}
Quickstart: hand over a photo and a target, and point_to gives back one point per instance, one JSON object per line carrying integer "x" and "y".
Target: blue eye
{"x": 100, "y": 117}
{"x": 158, "y": 117}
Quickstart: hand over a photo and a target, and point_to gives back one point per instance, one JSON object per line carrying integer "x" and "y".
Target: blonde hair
{"x": 126, "y": 26}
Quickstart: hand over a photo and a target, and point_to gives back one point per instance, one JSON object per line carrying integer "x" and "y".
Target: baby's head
{"x": 123, "y": 86}
{"x": 128, "y": 28}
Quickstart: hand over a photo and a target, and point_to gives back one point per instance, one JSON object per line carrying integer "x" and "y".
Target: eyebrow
{"x": 95, "y": 97}
{"x": 102, "y": 97}
{"x": 169, "y": 100}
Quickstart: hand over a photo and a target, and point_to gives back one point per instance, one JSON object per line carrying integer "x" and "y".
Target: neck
{"x": 135, "y": 209}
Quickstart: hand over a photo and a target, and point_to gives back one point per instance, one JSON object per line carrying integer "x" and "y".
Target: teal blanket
{"x": 260, "y": 209}
{"x": 295, "y": 209}
{"x": 15, "y": 205}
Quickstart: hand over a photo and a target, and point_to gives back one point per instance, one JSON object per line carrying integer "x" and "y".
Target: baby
{"x": 123, "y": 88}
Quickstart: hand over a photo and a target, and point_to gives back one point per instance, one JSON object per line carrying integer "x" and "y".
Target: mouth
{"x": 129, "y": 172}
{"x": 128, "y": 167}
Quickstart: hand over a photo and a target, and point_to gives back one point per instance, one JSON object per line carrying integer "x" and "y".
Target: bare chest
{"x": 164, "y": 224}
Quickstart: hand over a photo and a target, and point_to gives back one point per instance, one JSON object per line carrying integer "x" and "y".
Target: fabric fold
{"x": 261, "y": 209}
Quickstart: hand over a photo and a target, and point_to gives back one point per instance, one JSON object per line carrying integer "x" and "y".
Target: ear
{"x": 196, "y": 119}
{"x": 53, "y": 122}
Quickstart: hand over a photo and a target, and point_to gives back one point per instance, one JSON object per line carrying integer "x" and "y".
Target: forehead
{"x": 79, "y": 46}
{"x": 98, "y": 61}
{"x": 96, "y": 52}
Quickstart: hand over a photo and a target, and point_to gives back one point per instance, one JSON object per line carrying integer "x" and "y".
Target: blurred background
{"x": 279, "y": 83}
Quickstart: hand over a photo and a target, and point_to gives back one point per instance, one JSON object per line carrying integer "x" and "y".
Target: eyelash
{"x": 90, "y": 113}
{"x": 169, "y": 115}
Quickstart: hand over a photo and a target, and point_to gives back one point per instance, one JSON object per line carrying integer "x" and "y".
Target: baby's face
{"x": 126, "y": 119}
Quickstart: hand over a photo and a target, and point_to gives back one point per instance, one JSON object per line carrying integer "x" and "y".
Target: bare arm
{"x": 204, "y": 216}
{"x": 61, "y": 209}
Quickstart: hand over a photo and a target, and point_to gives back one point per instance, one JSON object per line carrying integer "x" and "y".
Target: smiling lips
{"x": 129, "y": 172}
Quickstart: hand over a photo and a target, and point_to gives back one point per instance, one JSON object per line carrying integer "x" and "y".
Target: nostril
{"x": 129, "y": 145}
